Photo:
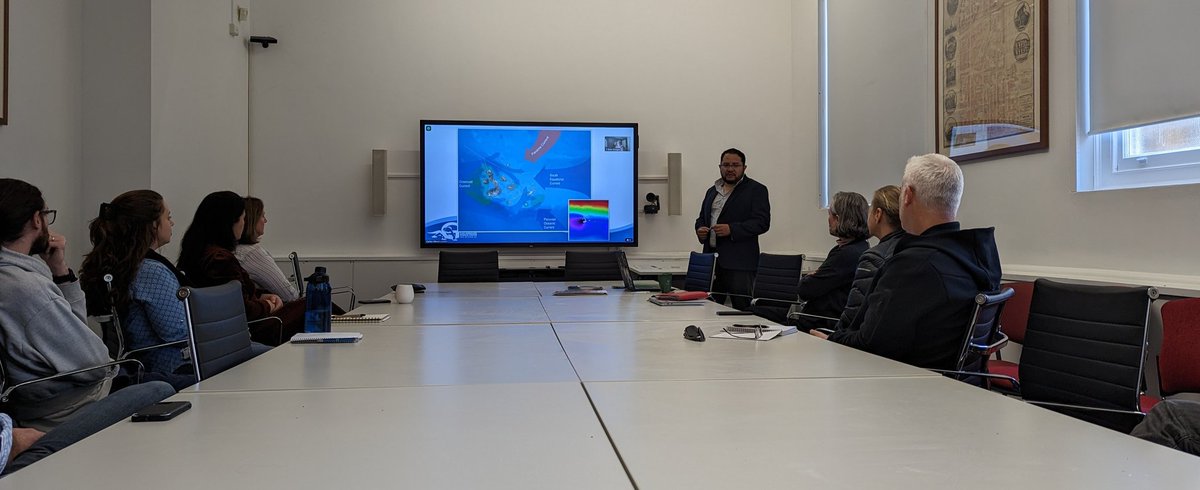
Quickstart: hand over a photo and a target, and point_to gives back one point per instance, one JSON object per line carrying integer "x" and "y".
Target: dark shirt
{"x": 747, "y": 211}
{"x": 824, "y": 291}
{"x": 864, "y": 274}
{"x": 921, "y": 300}
{"x": 218, "y": 266}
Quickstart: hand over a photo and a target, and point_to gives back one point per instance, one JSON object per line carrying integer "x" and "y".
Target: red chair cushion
{"x": 1178, "y": 364}
{"x": 1015, "y": 315}
{"x": 1003, "y": 368}
{"x": 1146, "y": 402}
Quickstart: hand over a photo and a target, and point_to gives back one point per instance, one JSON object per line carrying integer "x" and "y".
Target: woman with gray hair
{"x": 824, "y": 291}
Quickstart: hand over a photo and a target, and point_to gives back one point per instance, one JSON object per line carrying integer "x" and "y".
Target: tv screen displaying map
{"x": 519, "y": 184}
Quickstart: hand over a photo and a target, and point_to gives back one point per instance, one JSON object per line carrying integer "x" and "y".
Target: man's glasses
{"x": 50, "y": 214}
{"x": 730, "y": 165}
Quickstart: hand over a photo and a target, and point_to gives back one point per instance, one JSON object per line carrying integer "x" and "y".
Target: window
{"x": 1154, "y": 155}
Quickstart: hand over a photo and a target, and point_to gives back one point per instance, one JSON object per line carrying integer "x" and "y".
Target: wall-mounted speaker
{"x": 379, "y": 178}
{"x": 674, "y": 184}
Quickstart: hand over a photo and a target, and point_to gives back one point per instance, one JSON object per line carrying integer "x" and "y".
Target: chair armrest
{"x": 826, "y": 331}
{"x": 4, "y": 397}
{"x": 992, "y": 348}
{"x": 130, "y": 353}
{"x": 1016, "y": 384}
{"x": 344, "y": 290}
{"x": 756, "y": 301}
{"x": 278, "y": 321}
{"x": 1086, "y": 408}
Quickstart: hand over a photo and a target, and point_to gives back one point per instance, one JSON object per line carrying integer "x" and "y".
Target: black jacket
{"x": 868, "y": 263}
{"x": 922, "y": 298}
{"x": 824, "y": 291}
{"x": 747, "y": 211}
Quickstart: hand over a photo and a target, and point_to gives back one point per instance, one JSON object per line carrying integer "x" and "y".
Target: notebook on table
{"x": 327, "y": 338}
{"x": 360, "y": 318}
{"x": 681, "y": 298}
{"x": 582, "y": 291}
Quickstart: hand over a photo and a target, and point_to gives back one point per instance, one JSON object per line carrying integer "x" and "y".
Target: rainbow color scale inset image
{"x": 588, "y": 220}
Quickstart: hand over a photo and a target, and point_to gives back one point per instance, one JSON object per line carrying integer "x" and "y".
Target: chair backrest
{"x": 298, "y": 278}
{"x": 217, "y": 324}
{"x": 701, "y": 270}
{"x": 984, "y": 325}
{"x": 778, "y": 277}
{"x": 1016, "y": 311}
{"x": 1085, "y": 345}
{"x": 593, "y": 266}
{"x": 1178, "y": 362}
{"x": 481, "y": 266}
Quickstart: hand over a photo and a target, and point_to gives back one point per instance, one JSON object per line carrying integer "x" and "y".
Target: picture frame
{"x": 4, "y": 63}
{"x": 991, "y": 78}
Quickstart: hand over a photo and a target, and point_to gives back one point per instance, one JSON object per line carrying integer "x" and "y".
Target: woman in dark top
{"x": 884, "y": 222}
{"x": 207, "y": 259}
{"x": 824, "y": 291}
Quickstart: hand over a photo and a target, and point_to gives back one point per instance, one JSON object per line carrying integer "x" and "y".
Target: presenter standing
{"x": 736, "y": 210}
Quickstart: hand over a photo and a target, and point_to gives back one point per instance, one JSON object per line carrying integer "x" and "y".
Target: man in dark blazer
{"x": 736, "y": 210}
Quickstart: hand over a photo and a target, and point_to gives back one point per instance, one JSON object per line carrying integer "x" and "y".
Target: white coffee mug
{"x": 404, "y": 293}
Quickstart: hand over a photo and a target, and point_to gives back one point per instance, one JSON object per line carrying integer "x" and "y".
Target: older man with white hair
{"x": 919, "y": 304}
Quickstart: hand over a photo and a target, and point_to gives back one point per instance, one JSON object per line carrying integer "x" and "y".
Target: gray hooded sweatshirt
{"x": 43, "y": 331}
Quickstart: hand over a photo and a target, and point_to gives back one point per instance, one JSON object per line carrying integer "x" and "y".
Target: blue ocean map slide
{"x": 521, "y": 180}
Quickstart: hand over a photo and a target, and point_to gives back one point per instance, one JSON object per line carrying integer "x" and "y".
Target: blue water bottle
{"x": 318, "y": 302}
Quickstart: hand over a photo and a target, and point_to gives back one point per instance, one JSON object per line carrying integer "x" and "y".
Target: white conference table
{"x": 631, "y": 306}
{"x": 904, "y": 433}
{"x": 435, "y": 309}
{"x": 482, "y": 290}
{"x": 416, "y": 356}
{"x": 654, "y": 267}
{"x": 657, "y": 351}
{"x": 539, "y": 435}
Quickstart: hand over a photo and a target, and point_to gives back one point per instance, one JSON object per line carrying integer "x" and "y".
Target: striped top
{"x": 262, "y": 269}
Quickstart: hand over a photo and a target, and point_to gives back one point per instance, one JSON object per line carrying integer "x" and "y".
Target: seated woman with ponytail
{"x": 208, "y": 260}
{"x": 124, "y": 238}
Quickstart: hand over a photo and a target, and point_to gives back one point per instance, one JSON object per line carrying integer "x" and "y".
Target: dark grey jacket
{"x": 868, "y": 263}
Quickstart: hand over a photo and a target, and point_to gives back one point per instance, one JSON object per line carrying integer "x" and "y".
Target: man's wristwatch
{"x": 65, "y": 278}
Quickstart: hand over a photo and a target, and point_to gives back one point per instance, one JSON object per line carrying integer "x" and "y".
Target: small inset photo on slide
{"x": 616, "y": 143}
{"x": 588, "y": 220}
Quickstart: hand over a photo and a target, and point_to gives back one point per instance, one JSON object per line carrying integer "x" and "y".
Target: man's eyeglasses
{"x": 730, "y": 165}
{"x": 50, "y": 214}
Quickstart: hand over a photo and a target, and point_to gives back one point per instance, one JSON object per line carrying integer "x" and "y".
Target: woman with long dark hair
{"x": 124, "y": 237}
{"x": 207, "y": 259}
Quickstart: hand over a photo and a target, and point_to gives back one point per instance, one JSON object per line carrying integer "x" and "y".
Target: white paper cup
{"x": 404, "y": 293}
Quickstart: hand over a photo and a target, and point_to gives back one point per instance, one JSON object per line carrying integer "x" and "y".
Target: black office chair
{"x": 1084, "y": 350}
{"x": 593, "y": 266}
{"x": 216, "y": 318}
{"x": 701, "y": 271}
{"x": 775, "y": 284}
{"x": 298, "y": 280}
{"x": 469, "y": 266}
{"x": 981, "y": 339}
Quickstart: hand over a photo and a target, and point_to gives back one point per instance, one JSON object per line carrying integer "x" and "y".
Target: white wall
{"x": 41, "y": 143}
{"x": 116, "y": 100}
{"x": 1040, "y": 220}
{"x": 698, "y": 76}
{"x": 198, "y": 123}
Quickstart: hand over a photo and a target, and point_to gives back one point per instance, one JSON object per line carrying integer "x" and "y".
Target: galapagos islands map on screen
{"x": 528, "y": 185}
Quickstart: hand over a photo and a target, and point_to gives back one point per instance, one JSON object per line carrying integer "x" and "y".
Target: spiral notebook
{"x": 360, "y": 318}
{"x": 327, "y": 338}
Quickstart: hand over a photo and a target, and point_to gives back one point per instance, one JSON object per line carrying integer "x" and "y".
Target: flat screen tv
{"x": 528, "y": 184}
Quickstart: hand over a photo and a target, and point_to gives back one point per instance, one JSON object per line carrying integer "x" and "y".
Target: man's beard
{"x": 42, "y": 244}
{"x": 730, "y": 182}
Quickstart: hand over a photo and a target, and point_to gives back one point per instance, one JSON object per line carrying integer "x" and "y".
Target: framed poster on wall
{"x": 991, "y": 77}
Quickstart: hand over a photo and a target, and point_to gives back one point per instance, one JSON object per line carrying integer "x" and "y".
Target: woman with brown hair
{"x": 824, "y": 291}
{"x": 257, "y": 260}
{"x": 124, "y": 237}
{"x": 208, "y": 260}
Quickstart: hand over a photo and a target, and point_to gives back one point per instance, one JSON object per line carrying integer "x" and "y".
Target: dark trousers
{"x": 736, "y": 283}
{"x": 1172, "y": 423}
{"x": 92, "y": 419}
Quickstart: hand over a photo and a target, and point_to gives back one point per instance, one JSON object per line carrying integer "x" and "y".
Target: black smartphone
{"x": 734, "y": 312}
{"x": 161, "y": 411}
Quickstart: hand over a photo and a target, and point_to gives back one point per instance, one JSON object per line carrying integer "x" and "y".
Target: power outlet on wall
{"x": 233, "y": 29}
{"x": 243, "y": 13}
